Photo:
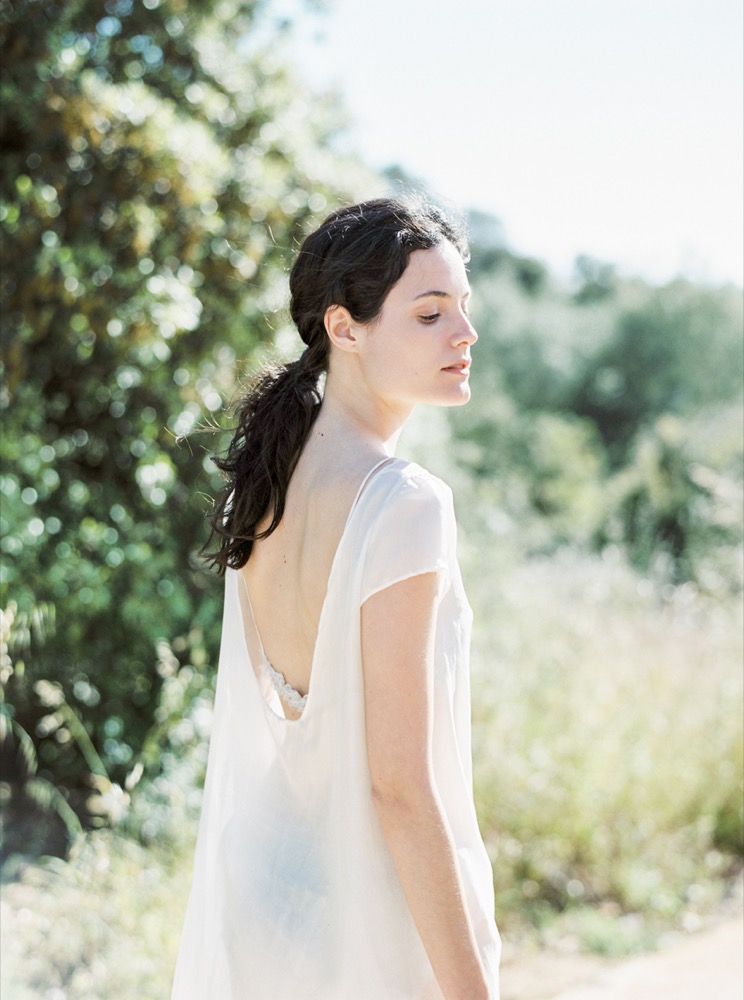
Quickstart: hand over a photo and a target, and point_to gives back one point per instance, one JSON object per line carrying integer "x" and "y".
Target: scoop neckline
{"x": 272, "y": 714}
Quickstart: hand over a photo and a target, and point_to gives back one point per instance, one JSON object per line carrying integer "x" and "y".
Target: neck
{"x": 360, "y": 414}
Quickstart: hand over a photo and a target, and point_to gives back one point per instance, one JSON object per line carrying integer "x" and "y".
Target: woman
{"x": 339, "y": 856}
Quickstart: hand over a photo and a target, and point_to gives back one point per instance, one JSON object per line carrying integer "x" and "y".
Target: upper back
{"x": 287, "y": 573}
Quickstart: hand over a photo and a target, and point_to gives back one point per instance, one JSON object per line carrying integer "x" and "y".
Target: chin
{"x": 459, "y": 398}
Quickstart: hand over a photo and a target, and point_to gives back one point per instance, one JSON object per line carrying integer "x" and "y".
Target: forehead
{"x": 439, "y": 269}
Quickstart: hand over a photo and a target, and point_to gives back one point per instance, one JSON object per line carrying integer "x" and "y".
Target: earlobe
{"x": 341, "y": 328}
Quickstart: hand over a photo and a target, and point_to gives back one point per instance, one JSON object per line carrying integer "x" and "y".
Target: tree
{"x": 676, "y": 351}
{"x": 160, "y": 162}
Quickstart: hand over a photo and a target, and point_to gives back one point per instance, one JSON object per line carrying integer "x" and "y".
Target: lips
{"x": 460, "y": 367}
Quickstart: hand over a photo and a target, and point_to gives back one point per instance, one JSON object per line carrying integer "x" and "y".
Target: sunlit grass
{"x": 608, "y": 742}
{"x": 608, "y": 772}
{"x": 102, "y": 926}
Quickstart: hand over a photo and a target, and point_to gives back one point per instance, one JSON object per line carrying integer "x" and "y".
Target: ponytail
{"x": 274, "y": 421}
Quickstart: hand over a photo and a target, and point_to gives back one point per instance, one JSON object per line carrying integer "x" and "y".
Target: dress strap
{"x": 365, "y": 482}
{"x": 249, "y": 606}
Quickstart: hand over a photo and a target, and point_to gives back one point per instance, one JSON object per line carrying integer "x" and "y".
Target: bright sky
{"x": 607, "y": 127}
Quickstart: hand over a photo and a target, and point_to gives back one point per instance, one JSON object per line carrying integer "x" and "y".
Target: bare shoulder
{"x": 327, "y": 477}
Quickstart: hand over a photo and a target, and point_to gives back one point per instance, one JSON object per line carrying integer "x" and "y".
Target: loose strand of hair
{"x": 274, "y": 420}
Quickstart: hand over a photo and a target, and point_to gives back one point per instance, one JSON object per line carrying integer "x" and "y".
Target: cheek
{"x": 403, "y": 351}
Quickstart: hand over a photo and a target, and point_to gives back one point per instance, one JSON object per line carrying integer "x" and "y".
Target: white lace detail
{"x": 286, "y": 692}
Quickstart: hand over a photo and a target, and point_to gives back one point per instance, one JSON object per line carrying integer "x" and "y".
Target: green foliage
{"x": 173, "y": 762}
{"x": 38, "y": 816}
{"x": 677, "y": 350}
{"x": 616, "y": 351}
{"x": 610, "y": 414}
{"x": 539, "y": 476}
{"x": 676, "y": 507}
{"x": 596, "y": 280}
{"x": 159, "y": 162}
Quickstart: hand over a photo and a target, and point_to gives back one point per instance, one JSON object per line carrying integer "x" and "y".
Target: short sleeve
{"x": 409, "y": 536}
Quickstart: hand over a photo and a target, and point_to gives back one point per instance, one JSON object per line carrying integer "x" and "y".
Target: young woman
{"x": 339, "y": 856}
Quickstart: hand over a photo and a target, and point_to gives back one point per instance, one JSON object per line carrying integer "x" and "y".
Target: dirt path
{"x": 708, "y": 965}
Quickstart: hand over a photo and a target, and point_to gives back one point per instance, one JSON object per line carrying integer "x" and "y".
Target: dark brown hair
{"x": 353, "y": 260}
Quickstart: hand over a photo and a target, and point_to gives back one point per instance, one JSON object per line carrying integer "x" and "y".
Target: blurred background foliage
{"x": 160, "y": 165}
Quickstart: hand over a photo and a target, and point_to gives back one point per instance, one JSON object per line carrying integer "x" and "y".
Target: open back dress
{"x": 295, "y": 895}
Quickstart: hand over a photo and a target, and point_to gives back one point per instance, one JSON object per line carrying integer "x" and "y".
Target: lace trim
{"x": 286, "y": 692}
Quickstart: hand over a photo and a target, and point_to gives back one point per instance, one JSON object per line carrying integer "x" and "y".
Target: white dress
{"x": 295, "y": 895}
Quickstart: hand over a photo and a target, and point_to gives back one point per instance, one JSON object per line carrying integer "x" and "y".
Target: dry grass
{"x": 608, "y": 741}
{"x": 103, "y": 926}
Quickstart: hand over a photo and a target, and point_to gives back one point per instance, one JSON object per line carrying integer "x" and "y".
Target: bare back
{"x": 287, "y": 573}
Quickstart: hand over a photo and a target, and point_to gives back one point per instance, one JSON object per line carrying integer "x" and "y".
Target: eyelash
{"x": 435, "y": 316}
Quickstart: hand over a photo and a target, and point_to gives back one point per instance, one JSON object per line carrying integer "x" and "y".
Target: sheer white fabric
{"x": 295, "y": 895}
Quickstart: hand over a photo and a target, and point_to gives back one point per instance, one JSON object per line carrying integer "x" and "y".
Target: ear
{"x": 341, "y": 329}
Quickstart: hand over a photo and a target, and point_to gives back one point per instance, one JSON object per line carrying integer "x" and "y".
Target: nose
{"x": 465, "y": 331}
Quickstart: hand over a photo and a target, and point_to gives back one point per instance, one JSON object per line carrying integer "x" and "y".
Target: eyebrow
{"x": 437, "y": 294}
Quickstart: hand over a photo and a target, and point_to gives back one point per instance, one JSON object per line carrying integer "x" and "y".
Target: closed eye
{"x": 429, "y": 319}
